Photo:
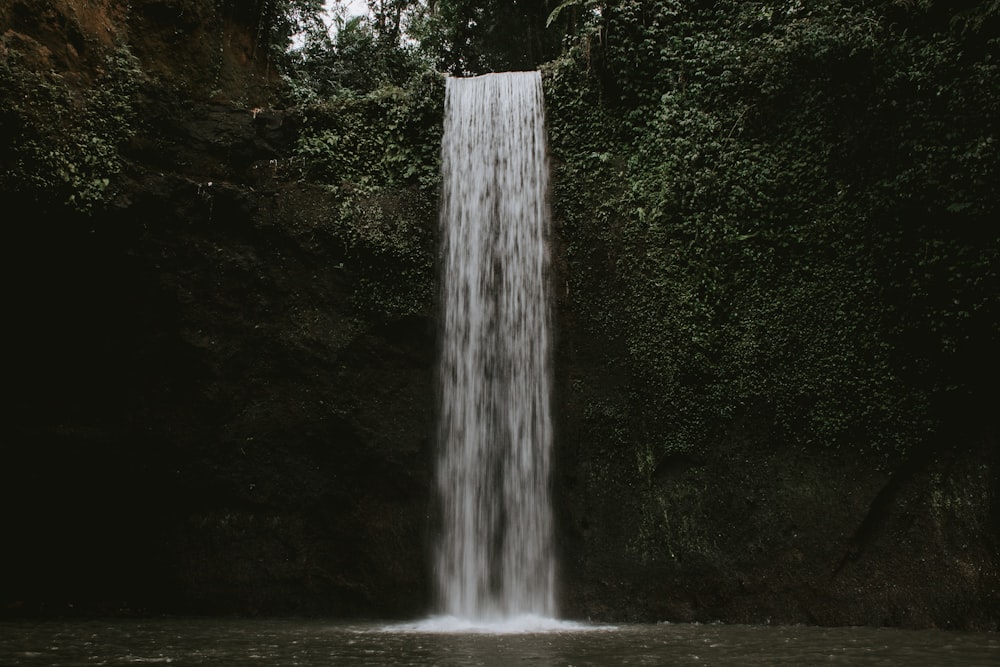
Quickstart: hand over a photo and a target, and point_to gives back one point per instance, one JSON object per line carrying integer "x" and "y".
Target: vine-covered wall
{"x": 779, "y": 303}
{"x": 789, "y": 213}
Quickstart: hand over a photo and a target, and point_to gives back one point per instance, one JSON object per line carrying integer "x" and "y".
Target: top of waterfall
{"x": 477, "y": 76}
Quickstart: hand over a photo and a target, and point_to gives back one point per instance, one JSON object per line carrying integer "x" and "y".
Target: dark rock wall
{"x": 201, "y": 417}
{"x": 756, "y": 529}
{"x": 775, "y": 432}
{"x": 758, "y": 533}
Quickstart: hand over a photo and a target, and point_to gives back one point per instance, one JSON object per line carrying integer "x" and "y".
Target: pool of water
{"x": 312, "y": 643}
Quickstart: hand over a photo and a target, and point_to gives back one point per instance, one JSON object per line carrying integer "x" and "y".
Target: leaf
{"x": 555, "y": 12}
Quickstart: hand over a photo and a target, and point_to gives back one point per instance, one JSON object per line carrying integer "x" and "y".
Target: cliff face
{"x": 758, "y": 532}
{"x": 203, "y": 418}
{"x": 777, "y": 355}
{"x": 222, "y": 372}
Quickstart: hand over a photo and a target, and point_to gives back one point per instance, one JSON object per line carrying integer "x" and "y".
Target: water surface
{"x": 315, "y": 643}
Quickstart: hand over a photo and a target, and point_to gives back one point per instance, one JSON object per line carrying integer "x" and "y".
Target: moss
{"x": 377, "y": 154}
{"x": 64, "y": 140}
{"x": 715, "y": 225}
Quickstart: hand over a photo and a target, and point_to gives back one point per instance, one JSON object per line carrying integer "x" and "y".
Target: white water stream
{"x": 494, "y": 560}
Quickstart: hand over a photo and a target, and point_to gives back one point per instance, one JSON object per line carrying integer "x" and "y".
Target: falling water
{"x": 495, "y": 559}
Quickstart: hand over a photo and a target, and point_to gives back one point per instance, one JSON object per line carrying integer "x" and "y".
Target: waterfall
{"x": 494, "y": 558}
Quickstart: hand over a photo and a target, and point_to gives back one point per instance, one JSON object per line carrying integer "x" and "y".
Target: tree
{"x": 466, "y": 37}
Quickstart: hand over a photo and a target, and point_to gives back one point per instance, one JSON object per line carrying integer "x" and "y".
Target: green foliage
{"x": 467, "y": 37}
{"x": 364, "y": 55}
{"x": 372, "y": 113}
{"x": 276, "y": 22}
{"x": 378, "y": 154}
{"x": 777, "y": 214}
{"x": 387, "y": 138}
{"x": 781, "y": 214}
{"x": 398, "y": 37}
{"x": 63, "y": 144}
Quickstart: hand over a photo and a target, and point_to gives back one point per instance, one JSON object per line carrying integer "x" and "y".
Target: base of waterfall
{"x": 522, "y": 624}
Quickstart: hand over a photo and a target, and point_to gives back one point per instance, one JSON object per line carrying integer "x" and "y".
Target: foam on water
{"x": 521, "y": 624}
